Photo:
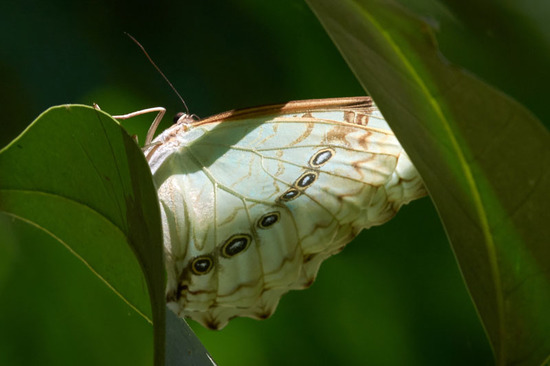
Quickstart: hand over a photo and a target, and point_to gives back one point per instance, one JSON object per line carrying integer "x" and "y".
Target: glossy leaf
{"x": 77, "y": 176}
{"x": 483, "y": 157}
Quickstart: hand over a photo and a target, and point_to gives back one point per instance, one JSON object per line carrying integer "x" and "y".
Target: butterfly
{"x": 254, "y": 200}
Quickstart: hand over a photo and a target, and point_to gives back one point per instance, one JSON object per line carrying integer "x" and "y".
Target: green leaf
{"x": 484, "y": 159}
{"x": 182, "y": 345}
{"x": 76, "y": 175}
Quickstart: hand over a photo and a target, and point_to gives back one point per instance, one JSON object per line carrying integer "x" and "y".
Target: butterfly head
{"x": 182, "y": 118}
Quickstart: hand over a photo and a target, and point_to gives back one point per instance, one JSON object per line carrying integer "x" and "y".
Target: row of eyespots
{"x": 319, "y": 159}
{"x": 236, "y": 244}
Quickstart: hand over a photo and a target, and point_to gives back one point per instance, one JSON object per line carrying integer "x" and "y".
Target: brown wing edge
{"x": 299, "y": 106}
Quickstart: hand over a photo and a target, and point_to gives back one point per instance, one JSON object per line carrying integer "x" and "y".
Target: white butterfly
{"x": 254, "y": 200}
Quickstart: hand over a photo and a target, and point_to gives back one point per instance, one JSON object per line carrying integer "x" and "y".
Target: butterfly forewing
{"x": 254, "y": 200}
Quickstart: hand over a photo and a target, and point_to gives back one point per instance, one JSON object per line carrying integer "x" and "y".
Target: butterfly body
{"x": 253, "y": 201}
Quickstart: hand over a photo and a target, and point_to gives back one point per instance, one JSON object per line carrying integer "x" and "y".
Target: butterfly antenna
{"x": 158, "y": 69}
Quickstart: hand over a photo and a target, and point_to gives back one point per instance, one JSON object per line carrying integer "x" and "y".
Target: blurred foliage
{"x": 393, "y": 297}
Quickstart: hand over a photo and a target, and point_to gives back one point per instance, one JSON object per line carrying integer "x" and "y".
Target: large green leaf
{"x": 484, "y": 159}
{"x": 76, "y": 175}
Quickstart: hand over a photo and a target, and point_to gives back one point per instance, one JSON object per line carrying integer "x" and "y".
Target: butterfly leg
{"x": 134, "y": 137}
{"x": 154, "y": 125}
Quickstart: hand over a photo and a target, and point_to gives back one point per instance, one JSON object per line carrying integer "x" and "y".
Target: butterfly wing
{"x": 253, "y": 201}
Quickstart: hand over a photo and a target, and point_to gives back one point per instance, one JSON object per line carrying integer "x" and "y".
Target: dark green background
{"x": 393, "y": 297}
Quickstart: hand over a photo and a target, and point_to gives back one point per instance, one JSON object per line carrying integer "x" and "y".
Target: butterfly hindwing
{"x": 254, "y": 201}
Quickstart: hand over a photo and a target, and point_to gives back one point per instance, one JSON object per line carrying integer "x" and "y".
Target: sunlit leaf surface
{"x": 78, "y": 177}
